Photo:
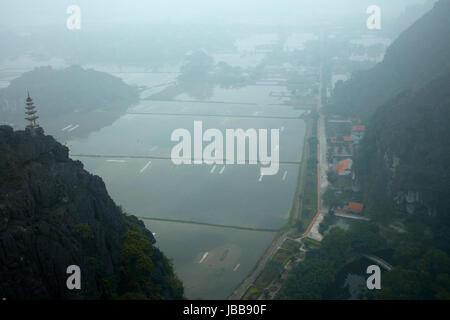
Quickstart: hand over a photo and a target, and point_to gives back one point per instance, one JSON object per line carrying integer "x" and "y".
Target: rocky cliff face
{"x": 405, "y": 154}
{"x": 54, "y": 214}
{"x": 404, "y": 101}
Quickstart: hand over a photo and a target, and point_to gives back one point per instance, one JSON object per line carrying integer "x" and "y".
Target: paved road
{"x": 323, "y": 180}
{"x": 351, "y": 216}
{"x": 313, "y": 232}
{"x": 379, "y": 261}
{"x": 239, "y": 292}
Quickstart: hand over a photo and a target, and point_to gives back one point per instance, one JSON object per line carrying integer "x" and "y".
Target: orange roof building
{"x": 358, "y": 128}
{"x": 343, "y": 165}
{"x": 348, "y": 139}
{"x": 355, "y": 206}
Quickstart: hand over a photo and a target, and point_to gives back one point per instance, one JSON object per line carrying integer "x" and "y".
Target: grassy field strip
{"x": 210, "y": 224}
{"x": 157, "y": 158}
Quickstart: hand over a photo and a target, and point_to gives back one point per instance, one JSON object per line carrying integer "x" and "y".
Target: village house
{"x": 344, "y": 167}
{"x": 355, "y": 207}
{"x": 352, "y": 208}
{"x": 339, "y": 145}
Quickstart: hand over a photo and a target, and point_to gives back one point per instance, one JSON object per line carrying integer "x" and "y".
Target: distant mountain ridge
{"x": 418, "y": 55}
{"x": 404, "y": 101}
{"x": 67, "y": 96}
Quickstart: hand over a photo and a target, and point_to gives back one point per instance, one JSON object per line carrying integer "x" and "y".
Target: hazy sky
{"x": 48, "y": 12}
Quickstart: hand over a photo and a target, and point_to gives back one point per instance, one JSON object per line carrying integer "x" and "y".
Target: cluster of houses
{"x": 343, "y": 136}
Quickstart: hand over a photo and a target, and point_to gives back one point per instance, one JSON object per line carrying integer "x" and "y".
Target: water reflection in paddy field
{"x": 210, "y": 261}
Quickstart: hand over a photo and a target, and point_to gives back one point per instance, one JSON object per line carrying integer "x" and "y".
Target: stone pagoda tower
{"x": 31, "y": 111}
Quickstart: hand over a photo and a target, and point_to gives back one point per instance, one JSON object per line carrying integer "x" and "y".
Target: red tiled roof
{"x": 348, "y": 139}
{"x": 355, "y": 206}
{"x": 358, "y": 128}
{"x": 341, "y": 166}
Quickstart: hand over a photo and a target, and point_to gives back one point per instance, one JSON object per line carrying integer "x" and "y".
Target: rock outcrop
{"x": 54, "y": 214}
{"x": 405, "y": 154}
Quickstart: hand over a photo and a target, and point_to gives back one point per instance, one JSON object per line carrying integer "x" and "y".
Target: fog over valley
{"x": 224, "y": 150}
